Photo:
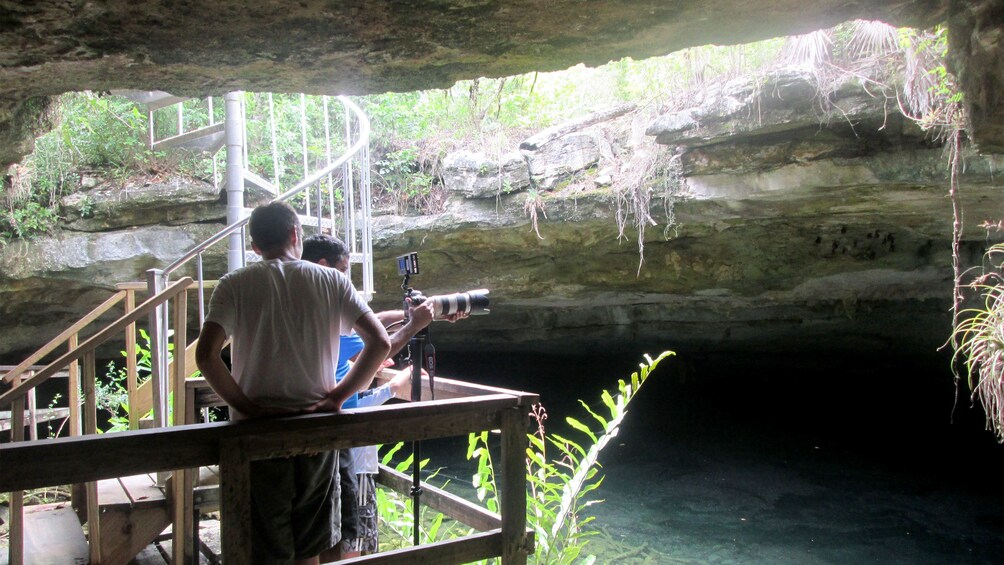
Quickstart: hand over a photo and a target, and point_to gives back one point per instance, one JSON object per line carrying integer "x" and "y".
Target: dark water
{"x": 801, "y": 460}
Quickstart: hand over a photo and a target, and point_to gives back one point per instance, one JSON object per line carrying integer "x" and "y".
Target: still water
{"x": 793, "y": 460}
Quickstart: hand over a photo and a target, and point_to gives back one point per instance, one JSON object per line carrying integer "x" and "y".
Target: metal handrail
{"x": 360, "y": 144}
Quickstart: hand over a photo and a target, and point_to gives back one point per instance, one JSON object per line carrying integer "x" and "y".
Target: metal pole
{"x": 331, "y": 182}
{"x": 275, "y": 147}
{"x": 235, "y": 175}
{"x": 303, "y": 143}
{"x": 349, "y": 191}
{"x": 155, "y": 284}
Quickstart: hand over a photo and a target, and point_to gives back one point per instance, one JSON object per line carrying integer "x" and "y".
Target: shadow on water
{"x": 769, "y": 459}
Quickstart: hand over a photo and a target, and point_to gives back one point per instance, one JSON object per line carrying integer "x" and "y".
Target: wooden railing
{"x": 80, "y": 362}
{"x": 233, "y": 445}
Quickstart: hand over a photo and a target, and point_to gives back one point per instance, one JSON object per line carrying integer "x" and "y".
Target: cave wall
{"x": 199, "y": 48}
{"x": 786, "y": 230}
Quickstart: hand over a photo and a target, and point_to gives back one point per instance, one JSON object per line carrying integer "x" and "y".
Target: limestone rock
{"x": 52, "y": 281}
{"x": 475, "y": 175}
{"x": 558, "y": 159}
{"x": 172, "y": 201}
{"x": 774, "y": 104}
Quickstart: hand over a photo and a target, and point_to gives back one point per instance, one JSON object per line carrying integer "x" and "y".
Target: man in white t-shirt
{"x": 286, "y": 316}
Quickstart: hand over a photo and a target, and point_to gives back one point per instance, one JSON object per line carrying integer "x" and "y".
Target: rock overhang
{"x": 313, "y": 46}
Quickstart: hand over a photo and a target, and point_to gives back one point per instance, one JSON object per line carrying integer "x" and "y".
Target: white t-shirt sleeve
{"x": 353, "y": 306}
{"x": 222, "y": 309}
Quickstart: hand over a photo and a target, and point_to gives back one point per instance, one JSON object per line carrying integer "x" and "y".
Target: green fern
{"x": 560, "y": 488}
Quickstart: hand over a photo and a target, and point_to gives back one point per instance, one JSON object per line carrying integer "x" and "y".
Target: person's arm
{"x": 421, "y": 316}
{"x": 376, "y": 348}
{"x": 208, "y": 359}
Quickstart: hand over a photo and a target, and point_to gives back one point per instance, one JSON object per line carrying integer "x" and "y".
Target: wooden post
{"x": 132, "y": 374}
{"x": 32, "y": 415}
{"x": 16, "y": 548}
{"x": 182, "y": 502}
{"x": 89, "y": 370}
{"x": 74, "y": 392}
{"x": 78, "y": 492}
{"x": 513, "y": 503}
{"x": 235, "y": 501}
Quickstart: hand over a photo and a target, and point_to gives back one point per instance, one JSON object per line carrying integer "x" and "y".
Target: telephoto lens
{"x": 471, "y": 302}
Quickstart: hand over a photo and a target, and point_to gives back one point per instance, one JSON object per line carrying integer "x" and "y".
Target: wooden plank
{"x": 132, "y": 371}
{"x": 16, "y": 548}
{"x": 112, "y": 494}
{"x": 134, "y": 491}
{"x": 466, "y": 512}
{"x": 460, "y": 550}
{"x": 53, "y": 536}
{"x": 127, "y": 532}
{"x": 58, "y": 461}
{"x": 182, "y": 506}
{"x": 513, "y": 486}
{"x": 93, "y": 521}
{"x": 44, "y": 415}
{"x": 144, "y": 394}
{"x": 89, "y": 377}
{"x": 182, "y": 516}
{"x": 4, "y": 369}
{"x": 141, "y": 286}
{"x": 94, "y": 341}
{"x": 73, "y": 389}
{"x": 63, "y": 336}
{"x": 235, "y": 487}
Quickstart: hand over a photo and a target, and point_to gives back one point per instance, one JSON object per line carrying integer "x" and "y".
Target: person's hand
{"x": 327, "y": 404}
{"x": 422, "y": 315}
{"x": 260, "y": 411}
{"x": 400, "y": 385}
{"x": 456, "y": 316}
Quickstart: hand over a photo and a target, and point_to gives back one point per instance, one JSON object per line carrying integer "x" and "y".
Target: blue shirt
{"x": 349, "y": 347}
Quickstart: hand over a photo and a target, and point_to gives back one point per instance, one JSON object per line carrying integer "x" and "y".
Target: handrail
{"x": 94, "y": 341}
{"x": 67, "y": 460}
{"x": 361, "y": 142}
{"x": 63, "y": 337}
{"x": 233, "y": 445}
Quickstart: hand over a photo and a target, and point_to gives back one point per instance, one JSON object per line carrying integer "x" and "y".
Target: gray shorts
{"x": 292, "y": 510}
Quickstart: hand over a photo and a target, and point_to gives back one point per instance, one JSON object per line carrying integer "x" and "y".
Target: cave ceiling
{"x": 190, "y": 47}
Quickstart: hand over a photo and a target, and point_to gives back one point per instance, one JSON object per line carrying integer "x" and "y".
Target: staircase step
{"x": 137, "y": 491}
{"x": 254, "y": 180}
{"x": 53, "y": 536}
{"x": 304, "y": 220}
{"x": 208, "y": 139}
{"x": 152, "y": 99}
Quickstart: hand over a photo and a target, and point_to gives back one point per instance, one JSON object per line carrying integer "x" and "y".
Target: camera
{"x": 471, "y": 302}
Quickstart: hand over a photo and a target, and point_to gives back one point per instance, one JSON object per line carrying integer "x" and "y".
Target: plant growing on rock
{"x": 533, "y": 207}
{"x": 559, "y": 488}
{"x": 979, "y": 341}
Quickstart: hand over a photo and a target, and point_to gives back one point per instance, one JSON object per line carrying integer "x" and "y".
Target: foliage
{"x": 403, "y": 175}
{"x": 397, "y": 516}
{"x": 112, "y": 395}
{"x": 559, "y": 489}
{"x": 979, "y": 341}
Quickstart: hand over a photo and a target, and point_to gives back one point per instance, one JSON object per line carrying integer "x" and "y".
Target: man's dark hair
{"x": 323, "y": 246}
{"x": 270, "y": 224}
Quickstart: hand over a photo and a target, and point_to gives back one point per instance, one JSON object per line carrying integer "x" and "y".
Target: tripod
{"x": 423, "y": 356}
